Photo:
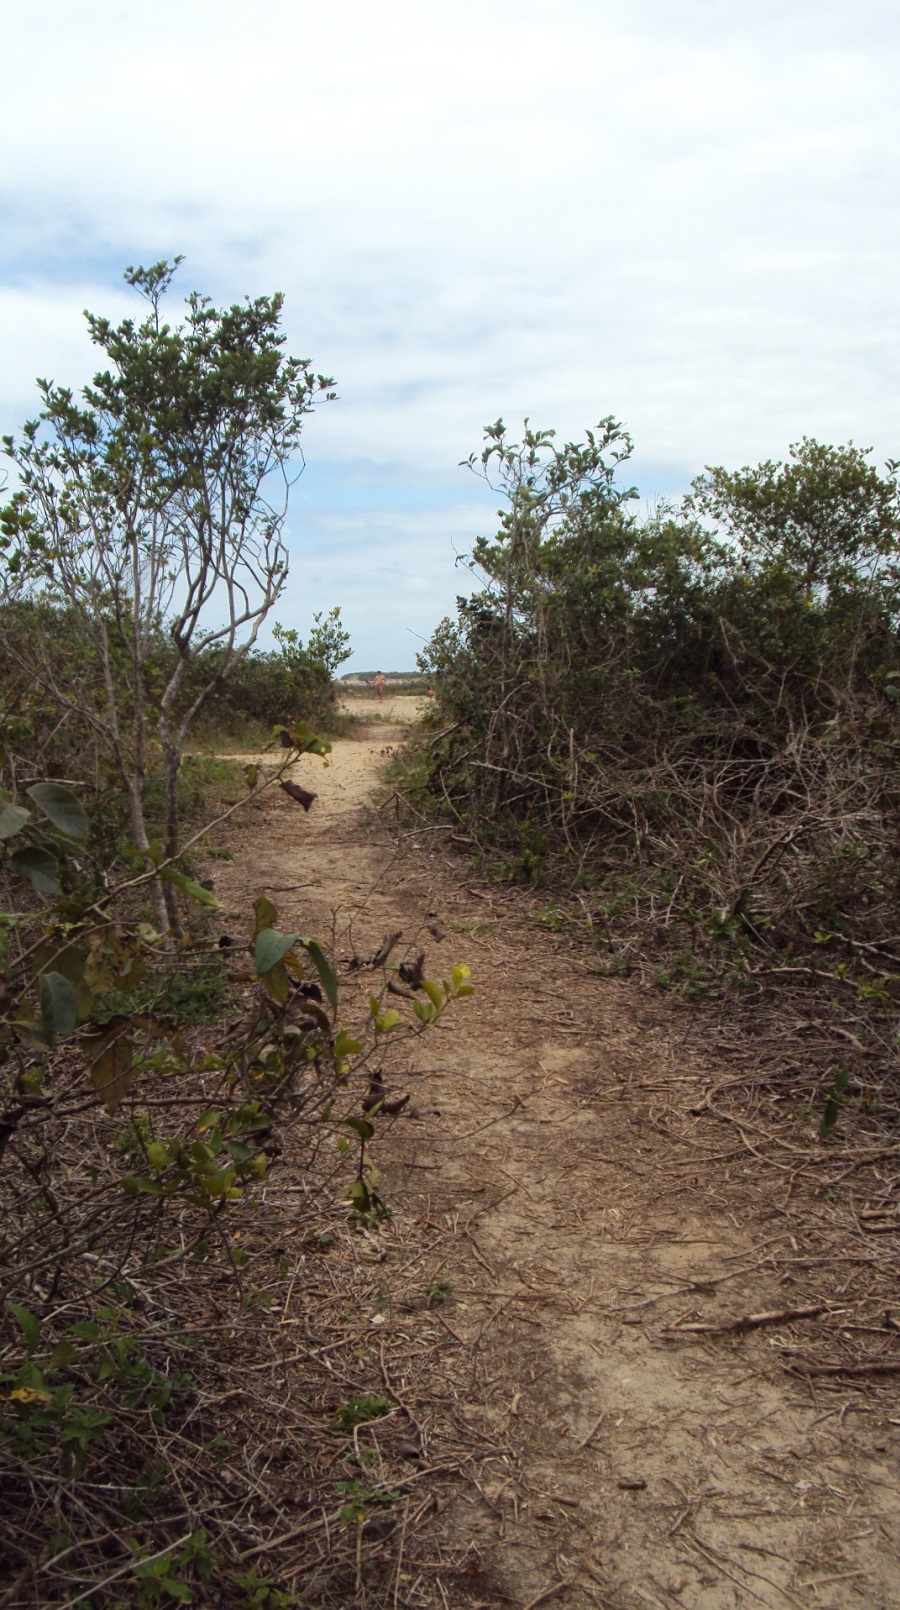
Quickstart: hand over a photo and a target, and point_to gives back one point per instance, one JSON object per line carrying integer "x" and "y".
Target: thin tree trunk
{"x": 172, "y": 751}
{"x": 134, "y": 776}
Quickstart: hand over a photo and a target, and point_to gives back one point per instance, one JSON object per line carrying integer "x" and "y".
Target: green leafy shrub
{"x": 689, "y": 720}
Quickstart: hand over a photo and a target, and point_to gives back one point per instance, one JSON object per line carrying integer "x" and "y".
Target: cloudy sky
{"x": 682, "y": 212}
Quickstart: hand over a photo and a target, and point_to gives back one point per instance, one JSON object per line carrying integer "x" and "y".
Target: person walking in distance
{"x": 379, "y": 686}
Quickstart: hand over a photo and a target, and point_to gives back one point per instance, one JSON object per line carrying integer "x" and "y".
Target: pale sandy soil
{"x": 580, "y": 1205}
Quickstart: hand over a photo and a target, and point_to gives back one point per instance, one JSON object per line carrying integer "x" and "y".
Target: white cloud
{"x": 686, "y": 215}
{"x": 393, "y": 572}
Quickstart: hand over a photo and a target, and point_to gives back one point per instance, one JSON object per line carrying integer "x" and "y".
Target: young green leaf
{"x": 171, "y": 874}
{"x": 834, "y": 1096}
{"x": 63, "y": 1353}
{"x": 363, "y": 1128}
{"x": 433, "y": 991}
{"x": 345, "y": 1045}
{"x": 359, "y": 1196}
{"x": 29, "y": 1324}
{"x": 177, "y": 1590}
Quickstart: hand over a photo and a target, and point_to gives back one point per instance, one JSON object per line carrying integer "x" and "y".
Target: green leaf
{"x": 424, "y": 1012}
{"x": 323, "y": 968}
{"x": 368, "y": 1407}
{"x": 12, "y": 820}
{"x": 29, "y": 1324}
{"x": 302, "y": 738}
{"x": 359, "y": 1196}
{"x": 271, "y": 947}
{"x": 829, "y": 1116}
{"x": 63, "y": 1353}
{"x": 363, "y": 1128}
{"x": 61, "y": 807}
{"x": 39, "y": 867}
{"x": 387, "y": 1020}
{"x": 345, "y": 1045}
{"x": 151, "y": 1187}
{"x": 433, "y": 991}
{"x": 833, "y": 1102}
{"x": 59, "y": 1006}
{"x": 171, "y": 874}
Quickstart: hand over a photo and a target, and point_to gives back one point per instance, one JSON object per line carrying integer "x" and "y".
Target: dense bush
{"x": 291, "y": 683}
{"x": 686, "y": 723}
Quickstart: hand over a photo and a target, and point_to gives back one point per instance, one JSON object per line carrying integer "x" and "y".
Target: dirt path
{"x": 572, "y": 1206}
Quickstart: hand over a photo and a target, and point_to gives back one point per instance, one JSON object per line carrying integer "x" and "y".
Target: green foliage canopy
{"x": 151, "y": 510}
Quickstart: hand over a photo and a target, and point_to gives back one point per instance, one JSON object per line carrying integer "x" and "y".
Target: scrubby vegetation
{"x": 679, "y": 731}
{"x": 293, "y": 682}
{"x": 683, "y": 728}
{"x": 152, "y": 1067}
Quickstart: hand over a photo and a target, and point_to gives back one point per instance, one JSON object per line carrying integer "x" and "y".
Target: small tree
{"x": 827, "y": 517}
{"x": 551, "y": 494}
{"x": 328, "y": 646}
{"x": 156, "y": 504}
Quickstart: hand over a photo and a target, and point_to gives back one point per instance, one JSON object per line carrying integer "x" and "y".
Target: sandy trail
{"x": 578, "y": 1209}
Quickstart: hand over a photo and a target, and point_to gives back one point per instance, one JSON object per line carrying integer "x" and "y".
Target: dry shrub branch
{"x": 186, "y": 1384}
